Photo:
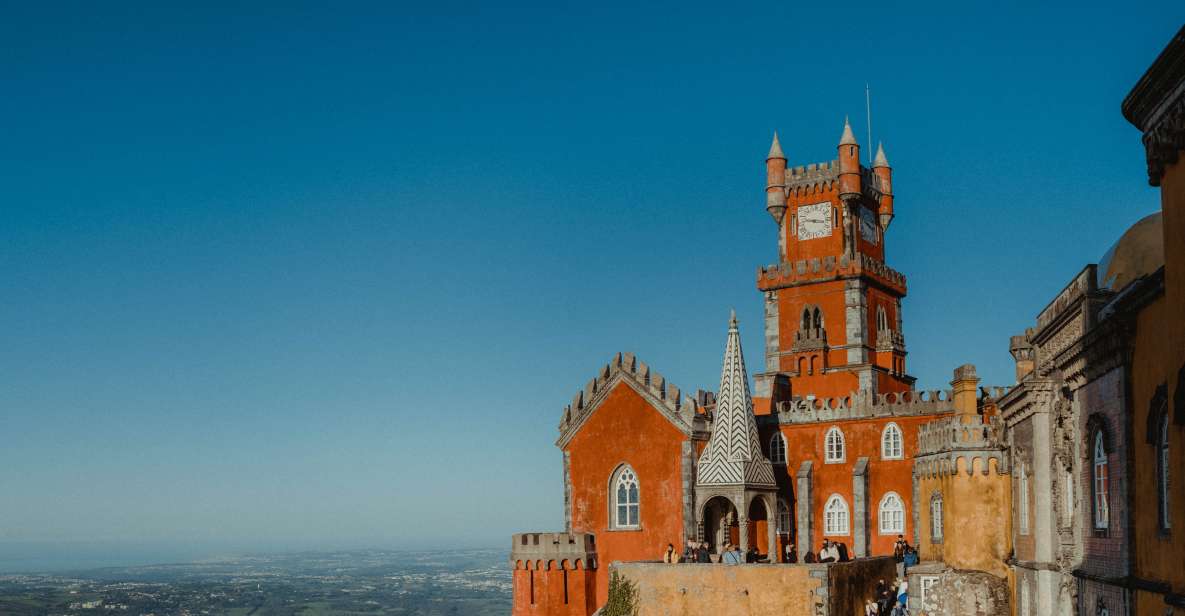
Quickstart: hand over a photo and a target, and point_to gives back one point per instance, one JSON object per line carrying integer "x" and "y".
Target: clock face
{"x": 814, "y": 221}
{"x": 868, "y": 226}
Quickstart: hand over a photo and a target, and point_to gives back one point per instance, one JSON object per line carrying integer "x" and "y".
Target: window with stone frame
{"x": 833, "y": 445}
{"x": 1162, "y": 473}
{"x": 891, "y": 515}
{"x": 1022, "y": 489}
{"x": 777, "y": 448}
{"x": 891, "y": 443}
{"x": 625, "y": 496}
{"x": 783, "y": 517}
{"x": 1100, "y": 482}
{"x": 835, "y": 516}
{"x": 936, "y": 517}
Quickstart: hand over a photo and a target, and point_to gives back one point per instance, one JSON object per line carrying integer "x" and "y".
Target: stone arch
{"x": 721, "y": 522}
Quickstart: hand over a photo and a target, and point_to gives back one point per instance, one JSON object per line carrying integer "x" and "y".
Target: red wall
{"x": 625, "y": 428}
{"x": 548, "y": 588}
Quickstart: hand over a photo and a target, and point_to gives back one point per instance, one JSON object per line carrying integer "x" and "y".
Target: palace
{"x": 1052, "y": 496}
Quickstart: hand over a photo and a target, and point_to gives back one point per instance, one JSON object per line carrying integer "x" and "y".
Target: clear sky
{"x": 325, "y": 276}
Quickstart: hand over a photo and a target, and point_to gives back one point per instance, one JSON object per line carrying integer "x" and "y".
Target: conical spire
{"x": 733, "y": 455}
{"x": 775, "y": 149}
{"x": 880, "y": 160}
{"x": 848, "y": 138}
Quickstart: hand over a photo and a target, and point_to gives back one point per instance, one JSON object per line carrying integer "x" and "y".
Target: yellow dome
{"x": 1139, "y": 252}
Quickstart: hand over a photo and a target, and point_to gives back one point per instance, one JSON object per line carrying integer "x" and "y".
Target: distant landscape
{"x": 462, "y": 583}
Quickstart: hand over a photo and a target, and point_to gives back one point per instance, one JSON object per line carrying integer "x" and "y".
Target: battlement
{"x": 804, "y": 271}
{"x": 667, "y": 395}
{"x": 862, "y": 405}
{"x": 960, "y": 433}
{"x": 543, "y": 548}
{"x": 812, "y": 174}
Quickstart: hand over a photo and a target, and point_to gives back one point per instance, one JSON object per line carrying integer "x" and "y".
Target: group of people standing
{"x": 699, "y": 552}
{"x": 891, "y": 600}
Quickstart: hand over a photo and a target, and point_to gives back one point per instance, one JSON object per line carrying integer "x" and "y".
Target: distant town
{"x": 462, "y": 583}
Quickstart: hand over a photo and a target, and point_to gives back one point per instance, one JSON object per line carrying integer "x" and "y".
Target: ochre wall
{"x": 862, "y": 438}
{"x": 1159, "y": 355}
{"x": 789, "y": 590}
{"x": 977, "y": 526}
{"x": 625, "y": 428}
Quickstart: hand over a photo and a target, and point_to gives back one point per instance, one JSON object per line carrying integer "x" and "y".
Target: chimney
{"x": 1023, "y": 352}
{"x": 966, "y": 390}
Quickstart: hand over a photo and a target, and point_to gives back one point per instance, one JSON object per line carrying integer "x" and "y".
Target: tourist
{"x": 829, "y": 553}
{"x": 898, "y": 610}
{"x": 791, "y": 554}
{"x": 911, "y": 556}
{"x": 903, "y": 593}
{"x": 843, "y": 551}
{"x": 809, "y": 557}
{"x": 669, "y": 557}
{"x": 732, "y": 556}
{"x": 899, "y": 549}
{"x": 702, "y": 555}
{"x": 752, "y": 556}
{"x": 870, "y": 608}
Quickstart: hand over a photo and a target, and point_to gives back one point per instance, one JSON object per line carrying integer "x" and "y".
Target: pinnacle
{"x": 732, "y": 316}
{"x": 848, "y": 138}
{"x": 880, "y": 161}
{"x": 775, "y": 149}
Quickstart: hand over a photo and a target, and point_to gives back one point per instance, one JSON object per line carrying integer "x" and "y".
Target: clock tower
{"x": 832, "y": 306}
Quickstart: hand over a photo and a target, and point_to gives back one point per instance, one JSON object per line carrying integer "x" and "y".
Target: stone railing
{"x": 785, "y": 274}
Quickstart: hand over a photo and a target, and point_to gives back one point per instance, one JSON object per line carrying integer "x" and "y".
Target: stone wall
{"x": 792, "y": 590}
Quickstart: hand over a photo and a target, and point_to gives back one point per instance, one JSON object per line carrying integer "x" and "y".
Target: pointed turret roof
{"x": 880, "y": 160}
{"x": 848, "y": 138}
{"x": 775, "y": 149}
{"x": 733, "y": 455}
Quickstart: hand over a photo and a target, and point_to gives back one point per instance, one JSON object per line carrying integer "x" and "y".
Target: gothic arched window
{"x": 818, "y": 319}
{"x": 777, "y": 448}
{"x": 1162, "y": 472}
{"x": 835, "y": 516}
{"x": 1100, "y": 483}
{"x": 892, "y": 514}
{"x": 806, "y": 319}
{"x": 625, "y": 498}
{"x": 783, "y": 517}
{"x": 936, "y": 517}
{"x": 891, "y": 448}
{"x": 882, "y": 320}
{"x": 833, "y": 445}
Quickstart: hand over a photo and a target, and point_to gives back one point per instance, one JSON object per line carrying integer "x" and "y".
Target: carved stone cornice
{"x": 1156, "y": 106}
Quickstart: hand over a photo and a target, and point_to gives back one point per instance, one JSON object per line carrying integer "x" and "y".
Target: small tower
{"x": 884, "y": 175}
{"x": 849, "y": 164}
{"x": 775, "y": 182}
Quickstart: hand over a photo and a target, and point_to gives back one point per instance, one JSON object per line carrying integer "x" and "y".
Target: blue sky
{"x": 312, "y": 277}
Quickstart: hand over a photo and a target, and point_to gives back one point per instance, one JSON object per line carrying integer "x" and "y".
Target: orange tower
{"x": 832, "y": 306}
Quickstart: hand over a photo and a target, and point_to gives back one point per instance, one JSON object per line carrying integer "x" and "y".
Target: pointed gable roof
{"x": 733, "y": 455}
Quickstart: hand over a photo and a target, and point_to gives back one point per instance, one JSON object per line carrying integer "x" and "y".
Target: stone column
{"x": 860, "y": 517}
{"x": 804, "y": 510}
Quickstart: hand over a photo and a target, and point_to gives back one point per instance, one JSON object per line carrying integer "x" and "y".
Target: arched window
{"x": 892, "y": 515}
{"x": 891, "y": 448}
{"x": 833, "y": 446}
{"x": 625, "y": 498}
{"x": 1162, "y": 468}
{"x": 936, "y": 517}
{"x": 835, "y": 516}
{"x": 806, "y": 319}
{"x": 818, "y": 319}
{"x": 1022, "y": 509}
{"x": 882, "y": 320}
{"x": 783, "y": 517}
{"x": 1100, "y": 483}
{"x": 777, "y": 448}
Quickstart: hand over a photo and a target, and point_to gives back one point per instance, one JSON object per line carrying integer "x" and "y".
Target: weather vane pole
{"x": 868, "y": 110}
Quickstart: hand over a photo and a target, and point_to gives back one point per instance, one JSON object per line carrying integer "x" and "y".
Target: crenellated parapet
{"x": 808, "y": 271}
{"x": 541, "y": 551}
{"x": 965, "y": 443}
{"x": 685, "y": 411}
{"x": 863, "y": 405}
{"x": 808, "y": 180}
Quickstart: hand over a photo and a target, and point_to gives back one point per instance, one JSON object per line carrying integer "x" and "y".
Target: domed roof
{"x": 1139, "y": 252}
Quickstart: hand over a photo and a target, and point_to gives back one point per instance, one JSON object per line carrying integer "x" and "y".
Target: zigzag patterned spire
{"x": 733, "y": 455}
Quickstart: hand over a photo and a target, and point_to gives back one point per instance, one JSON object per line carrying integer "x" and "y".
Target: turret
{"x": 1022, "y": 351}
{"x": 849, "y": 164}
{"x": 775, "y": 181}
{"x": 884, "y": 173}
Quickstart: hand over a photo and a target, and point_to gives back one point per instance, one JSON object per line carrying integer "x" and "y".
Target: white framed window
{"x": 891, "y": 443}
{"x": 835, "y": 516}
{"x": 783, "y": 517}
{"x": 928, "y": 582}
{"x": 626, "y": 499}
{"x": 833, "y": 445}
{"x": 777, "y": 448}
{"x": 936, "y": 517}
{"x": 892, "y": 514}
{"x": 1022, "y": 509}
{"x": 1162, "y": 474}
{"x": 1099, "y": 481}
